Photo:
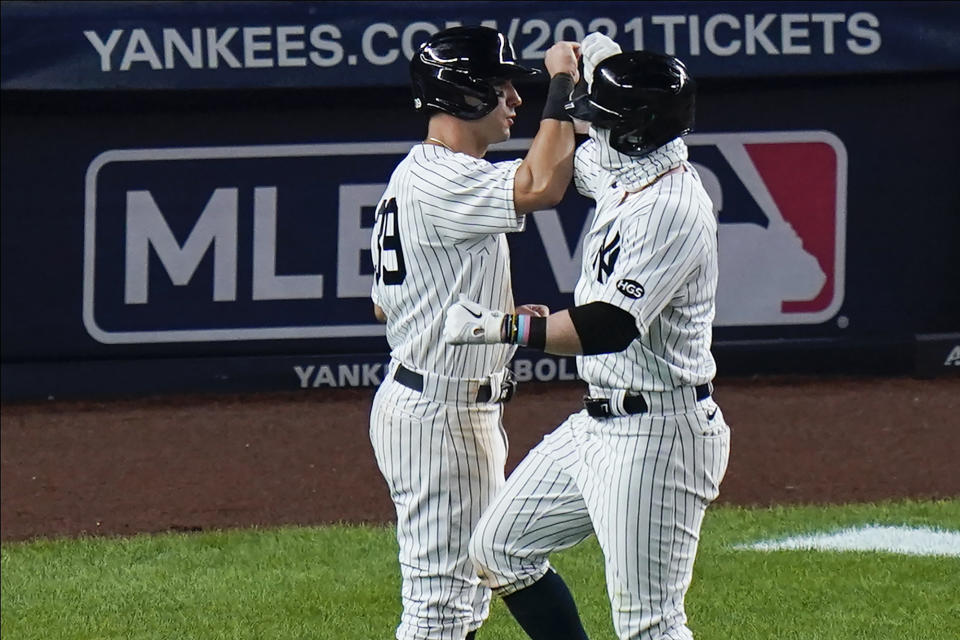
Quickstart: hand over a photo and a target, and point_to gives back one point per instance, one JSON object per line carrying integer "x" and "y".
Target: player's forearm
{"x": 545, "y": 172}
{"x": 561, "y": 335}
{"x": 590, "y": 329}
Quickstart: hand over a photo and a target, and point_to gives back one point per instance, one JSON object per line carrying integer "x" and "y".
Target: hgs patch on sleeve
{"x": 630, "y": 288}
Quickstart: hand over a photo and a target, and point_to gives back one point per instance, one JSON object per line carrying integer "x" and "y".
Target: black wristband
{"x": 524, "y": 330}
{"x": 561, "y": 86}
{"x": 508, "y": 329}
{"x": 538, "y": 333}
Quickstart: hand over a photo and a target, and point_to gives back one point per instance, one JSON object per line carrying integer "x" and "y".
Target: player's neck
{"x": 630, "y": 192}
{"x": 448, "y": 134}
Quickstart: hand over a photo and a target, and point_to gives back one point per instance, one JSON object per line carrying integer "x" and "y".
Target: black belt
{"x": 600, "y": 407}
{"x": 413, "y": 380}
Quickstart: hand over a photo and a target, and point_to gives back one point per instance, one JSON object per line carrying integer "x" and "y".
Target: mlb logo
{"x": 203, "y": 244}
{"x": 246, "y": 243}
{"x": 780, "y": 198}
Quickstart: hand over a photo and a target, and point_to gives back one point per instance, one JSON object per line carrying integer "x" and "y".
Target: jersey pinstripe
{"x": 654, "y": 255}
{"x": 443, "y": 237}
{"x": 443, "y": 462}
{"x": 439, "y": 232}
{"x": 641, "y": 482}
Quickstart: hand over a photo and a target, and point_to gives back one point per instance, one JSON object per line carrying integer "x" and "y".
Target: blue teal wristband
{"x": 525, "y": 331}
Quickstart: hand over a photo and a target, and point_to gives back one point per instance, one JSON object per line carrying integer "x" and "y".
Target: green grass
{"x": 343, "y": 583}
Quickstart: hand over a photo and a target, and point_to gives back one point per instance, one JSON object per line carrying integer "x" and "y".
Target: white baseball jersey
{"x": 641, "y": 482}
{"x": 439, "y": 232}
{"x": 653, "y": 254}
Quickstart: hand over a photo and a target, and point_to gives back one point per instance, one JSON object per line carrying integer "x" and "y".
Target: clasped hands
{"x": 468, "y": 322}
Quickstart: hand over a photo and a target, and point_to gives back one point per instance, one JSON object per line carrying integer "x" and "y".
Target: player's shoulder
{"x": 676, "y": 202}
{"x": 435, "y": 154}
{"x": 700, "y": 204}
{"x": 428, "y": 161}
{"x": 682, "y": 191}
{"x": 435, "y": 168}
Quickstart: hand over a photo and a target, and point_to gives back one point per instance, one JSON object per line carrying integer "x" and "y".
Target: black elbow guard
{"x": 603, "y": 327}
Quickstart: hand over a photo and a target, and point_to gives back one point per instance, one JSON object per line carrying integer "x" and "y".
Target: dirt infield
{"x": 200, "y": 462}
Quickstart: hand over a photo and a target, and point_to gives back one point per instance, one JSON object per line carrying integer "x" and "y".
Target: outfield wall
{"x": 188, "y": 188}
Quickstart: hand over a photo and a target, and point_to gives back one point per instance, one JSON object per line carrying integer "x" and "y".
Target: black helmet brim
{"x": 583, "y": 108}
{"x": 510, "y": 71}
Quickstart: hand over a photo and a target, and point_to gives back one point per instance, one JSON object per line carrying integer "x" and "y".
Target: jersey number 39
{"x": 388, "y": 261}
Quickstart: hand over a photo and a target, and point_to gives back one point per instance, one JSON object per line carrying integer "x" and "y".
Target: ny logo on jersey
{"x": 606, "y": 257}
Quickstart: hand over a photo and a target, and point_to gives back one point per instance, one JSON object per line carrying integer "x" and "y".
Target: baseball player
{"x": 435, "y": 424}
{"x": 641, "y": 462}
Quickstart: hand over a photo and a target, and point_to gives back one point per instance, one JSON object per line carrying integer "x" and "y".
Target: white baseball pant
{"x": 443, "y": 462}
{"x": 641, "y": 482}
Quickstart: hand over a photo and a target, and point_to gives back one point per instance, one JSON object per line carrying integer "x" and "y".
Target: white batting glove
{"x": 596, "y": 48}
{"x": 470, "y": 323}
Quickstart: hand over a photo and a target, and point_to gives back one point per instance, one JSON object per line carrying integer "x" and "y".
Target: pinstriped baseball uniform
{"x": 439, "y": 232}
{"x": 640, "y": 482}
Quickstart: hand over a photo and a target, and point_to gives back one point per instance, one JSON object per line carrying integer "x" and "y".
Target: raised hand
{"x": 563, "y": 57}
{"x": 596, "y": 48}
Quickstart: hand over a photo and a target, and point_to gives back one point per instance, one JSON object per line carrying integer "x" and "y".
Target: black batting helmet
{"x": 456, "y": 69}
{"x": 646, "y": 100}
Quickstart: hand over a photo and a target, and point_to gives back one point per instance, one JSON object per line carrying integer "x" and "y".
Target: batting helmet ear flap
{"x": 650, "y": 128}
{"x": 455, "y": 92}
